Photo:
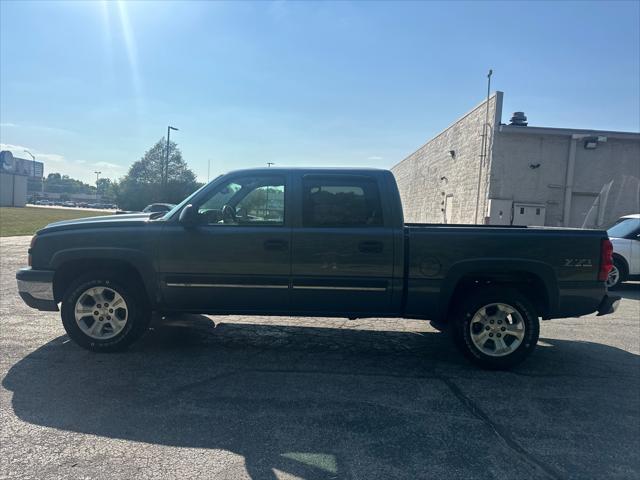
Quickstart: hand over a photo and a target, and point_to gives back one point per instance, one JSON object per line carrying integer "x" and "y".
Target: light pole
{"x": 483, "y": 146}
{"x": 33, "y": 158}
{"x": 97, "y": 178}
{"x": 165, "y": 174}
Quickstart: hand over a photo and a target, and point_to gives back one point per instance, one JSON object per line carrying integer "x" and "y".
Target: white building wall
{"x": 13, "y": 190}
{"x": 530, "y": 165}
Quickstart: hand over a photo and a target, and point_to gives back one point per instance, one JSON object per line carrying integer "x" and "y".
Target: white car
{"x": 625, "y": 236}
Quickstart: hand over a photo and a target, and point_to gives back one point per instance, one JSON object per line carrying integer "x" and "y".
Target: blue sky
{"x": 92, "y": 85}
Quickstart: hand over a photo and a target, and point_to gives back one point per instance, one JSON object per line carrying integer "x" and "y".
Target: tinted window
{"x": 341, "y": 202}
{"x": 263, "y": 204}
{"x": 246, "y": 200}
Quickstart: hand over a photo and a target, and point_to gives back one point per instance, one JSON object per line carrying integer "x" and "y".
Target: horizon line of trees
{"x": 143, "y": 184}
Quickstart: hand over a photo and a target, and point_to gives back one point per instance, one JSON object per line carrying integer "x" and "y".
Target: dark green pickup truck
{"x": 314, "y": 242}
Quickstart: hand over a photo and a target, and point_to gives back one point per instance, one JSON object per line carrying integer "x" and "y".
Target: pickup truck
{"x": 314, "y": 242}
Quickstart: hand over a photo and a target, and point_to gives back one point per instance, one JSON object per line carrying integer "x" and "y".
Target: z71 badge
{"x": 577, "y": 262}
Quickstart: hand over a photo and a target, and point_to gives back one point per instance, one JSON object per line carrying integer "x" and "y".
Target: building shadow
{"x": 327, "y": 403}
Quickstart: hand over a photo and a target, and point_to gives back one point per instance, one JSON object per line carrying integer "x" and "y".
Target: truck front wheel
{"x": 496, "y": 328}
{"x": 104, "y": 313}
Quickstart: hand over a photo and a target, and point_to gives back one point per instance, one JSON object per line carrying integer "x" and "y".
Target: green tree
{"x": 107, "y": 188}
{"x": 56, "y": 183}
{"x": 143, "y": 184}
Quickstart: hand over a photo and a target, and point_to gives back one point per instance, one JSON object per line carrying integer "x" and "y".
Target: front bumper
{"x": 609, "y": 304}
{"x": 36, "y": 289}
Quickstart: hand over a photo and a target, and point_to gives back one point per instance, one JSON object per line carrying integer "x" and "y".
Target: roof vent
{"x": 519, "y": 119}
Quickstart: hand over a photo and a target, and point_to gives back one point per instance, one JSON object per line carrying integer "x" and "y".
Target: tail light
{"x": 33, "y": 244}
{"x": 606, "y": 259}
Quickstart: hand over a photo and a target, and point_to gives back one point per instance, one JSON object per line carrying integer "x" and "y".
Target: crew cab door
{"x": 237, "y": 257}
{"x": 342, "y": 252}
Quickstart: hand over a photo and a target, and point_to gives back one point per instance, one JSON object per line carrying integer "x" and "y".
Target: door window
{"x": 341, "y": 202}
{"x": 252, "y": 200}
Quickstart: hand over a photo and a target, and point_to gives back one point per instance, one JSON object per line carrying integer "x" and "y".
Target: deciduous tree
{"x": 143, "y": 184}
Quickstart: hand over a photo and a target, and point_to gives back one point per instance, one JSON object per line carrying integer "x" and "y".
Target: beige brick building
{"x": 521, "y": 175}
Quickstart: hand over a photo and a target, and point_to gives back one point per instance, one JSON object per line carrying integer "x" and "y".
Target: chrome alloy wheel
{"x": 497, "y": 329}
{"x": 101, "y": 312}
{"x": 614, "y": 277}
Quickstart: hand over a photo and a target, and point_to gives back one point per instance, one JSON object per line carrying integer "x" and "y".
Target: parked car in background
{"x": 157, "y": 207}
{"x": 625, "y": 237}
{"x": 153, "y": 208}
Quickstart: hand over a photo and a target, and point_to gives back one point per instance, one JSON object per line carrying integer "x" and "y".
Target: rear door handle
{"x": 370, "y": 247}
{"x": 277, "y": 245}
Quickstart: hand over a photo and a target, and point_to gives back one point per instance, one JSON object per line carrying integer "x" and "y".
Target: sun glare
{"x": 129, "y": 44}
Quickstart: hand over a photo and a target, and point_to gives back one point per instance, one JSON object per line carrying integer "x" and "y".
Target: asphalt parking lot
{"x": 266, "y": 398}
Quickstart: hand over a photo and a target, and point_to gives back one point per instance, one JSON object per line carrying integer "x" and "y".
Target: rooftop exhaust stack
{"x": 519, "y": 119}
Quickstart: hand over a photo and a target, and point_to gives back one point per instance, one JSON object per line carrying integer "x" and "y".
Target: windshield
{"x": 171, "y": 212}
{"x": 624, "y": 228}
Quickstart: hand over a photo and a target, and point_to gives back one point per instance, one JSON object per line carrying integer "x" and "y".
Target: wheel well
{"x": 623, "y": 261}
{"x": 527, "y": 284}
{"x": 70, "y": 270}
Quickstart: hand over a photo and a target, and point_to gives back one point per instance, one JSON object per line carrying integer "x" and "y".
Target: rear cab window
{"x": 341, "y": 201}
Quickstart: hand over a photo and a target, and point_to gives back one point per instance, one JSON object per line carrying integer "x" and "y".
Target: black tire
{"x": 137, "y": 321}
{"x": 469, "y": 306}
{"x": 622, "y": 273}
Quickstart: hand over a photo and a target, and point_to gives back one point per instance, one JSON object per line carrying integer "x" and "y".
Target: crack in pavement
{"x": 499, "y": 431}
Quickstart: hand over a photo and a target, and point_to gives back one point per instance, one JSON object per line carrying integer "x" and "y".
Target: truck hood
{"x": 98, "y": 222}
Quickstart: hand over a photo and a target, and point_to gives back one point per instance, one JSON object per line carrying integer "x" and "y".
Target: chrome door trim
{"x": 359, "y": 289}
{"x": 223, "y": 285}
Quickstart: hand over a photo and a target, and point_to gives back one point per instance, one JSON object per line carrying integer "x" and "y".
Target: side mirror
{"x": 189, "y": 216}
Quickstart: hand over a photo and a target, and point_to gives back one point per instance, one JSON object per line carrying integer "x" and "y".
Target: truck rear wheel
{"x": 104, "y": 313}
{"x": 496, "y": 328}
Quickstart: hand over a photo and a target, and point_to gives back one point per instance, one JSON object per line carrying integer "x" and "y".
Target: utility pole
{"x": 269, "y": 164}
{"x": 208, "y": 169}
{"x": 165, "y": 173}
{"x": 97, "y": 178}
{"x": 483, "y": 145}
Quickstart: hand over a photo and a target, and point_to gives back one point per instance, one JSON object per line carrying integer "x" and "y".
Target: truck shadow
{"x": 630, "y": 290}
{"x": 323, "y": 403}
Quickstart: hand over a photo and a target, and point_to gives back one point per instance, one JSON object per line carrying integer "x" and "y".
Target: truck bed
{"x": 439, "y": 256}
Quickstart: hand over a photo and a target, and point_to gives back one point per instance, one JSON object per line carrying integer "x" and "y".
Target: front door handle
{"x": 370, "y": 247}
{"x": 277, "y": 245}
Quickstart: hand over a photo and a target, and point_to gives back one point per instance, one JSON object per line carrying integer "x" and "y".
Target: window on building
{"x": 341, "y": 202}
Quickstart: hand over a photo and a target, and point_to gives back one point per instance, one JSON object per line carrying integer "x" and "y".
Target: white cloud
{"x": 41, "y": 128}
{"x": 107, "y": 165}
{"x": 19, "y": 151}
{"x": 49, "y": 157}
{"x": 375, "y": 158}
